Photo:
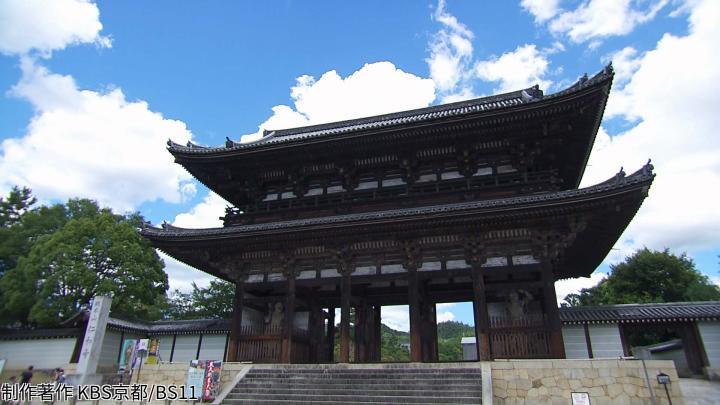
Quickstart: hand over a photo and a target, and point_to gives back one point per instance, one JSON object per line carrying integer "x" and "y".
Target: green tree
{"x": 15, "y": 205}
{"x": 73, "y": 252}
{"x": 213, "y": 301}
{"x": 650, "y": 276}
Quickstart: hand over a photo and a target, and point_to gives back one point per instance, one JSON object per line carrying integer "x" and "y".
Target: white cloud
{"x": 521, "y": 68}
{"x": 451, "y": 53}
{"x": 574, "y": 285}
{"x": 542, "y": 10}
{"x": 181, "y": 276}
{"x": 206, "y": 214}
{"x": 376, "y": 88}
{"x": 674, "y": 95}
{"x": 83, "y": 143}
{"x": 597, "y": 19}
{"x": 48, "y": 25}
{"x": 396, "y": 317}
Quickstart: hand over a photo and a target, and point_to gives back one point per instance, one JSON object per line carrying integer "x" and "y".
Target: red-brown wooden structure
{"x": 470, "y": 201}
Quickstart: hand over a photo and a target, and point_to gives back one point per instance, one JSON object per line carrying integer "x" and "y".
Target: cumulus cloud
{"x": 181, "y": 276}
{"x": 48, "y": 25}
{"x": 574, "y": 285}
{"x": 206, "y": 214}
{"x": 594, "y": 20}
{"x": 542, "y": 10}
{"x": 454, "y": 69}
{"x": 91, "y": 144}
{"x": 451, "y": 53}
{"x": 675, "y": 105}
{"x": 521, "y": 68}
{"x": 376, "y": 88}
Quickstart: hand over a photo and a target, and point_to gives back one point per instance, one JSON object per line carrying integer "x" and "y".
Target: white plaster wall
{"x": 213, "y": 347}
{"x": 41, "y": 353}
{"x": 574, "y": 340}
{"x": 110, "y": 349}
{"x": 605, "y": 340}
{"x": 185, "y": 348}
{"x": 710, "y": 336}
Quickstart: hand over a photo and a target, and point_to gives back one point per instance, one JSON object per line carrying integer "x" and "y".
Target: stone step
{"x": 363, "y": 370}
{"x": 380, "y": 380}
{"x": 288, "y": 402}
{"x": 438, "y": 376}
{"x": 362, "y": 385}
{"x": 359, "y": 391}
{"x": 303, "y": 398}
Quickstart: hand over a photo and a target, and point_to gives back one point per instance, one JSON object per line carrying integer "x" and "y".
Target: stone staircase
{"x": 368, "y": 384}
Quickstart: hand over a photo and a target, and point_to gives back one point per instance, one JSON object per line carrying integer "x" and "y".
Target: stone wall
{"x": 616, "y": 382}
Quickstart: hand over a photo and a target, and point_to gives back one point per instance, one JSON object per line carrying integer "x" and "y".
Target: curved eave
{"x": 480, "y": 108}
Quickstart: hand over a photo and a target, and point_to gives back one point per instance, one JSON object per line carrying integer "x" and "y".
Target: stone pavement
{"x": 700, "y": 392}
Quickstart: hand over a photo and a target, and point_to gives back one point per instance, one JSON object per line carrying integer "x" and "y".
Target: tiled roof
{"x": 172, "y": 326}
{"x": 617, "y": 182}
{"x": 672, "y": 311}
{"x": 478, "y": 105}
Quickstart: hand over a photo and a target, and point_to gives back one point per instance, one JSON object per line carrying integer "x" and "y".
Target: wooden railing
{"x": 523, "y": 338}
{"x": 263, "y": 344}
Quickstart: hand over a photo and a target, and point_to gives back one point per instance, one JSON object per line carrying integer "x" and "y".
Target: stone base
{"x": 89, "y": 379}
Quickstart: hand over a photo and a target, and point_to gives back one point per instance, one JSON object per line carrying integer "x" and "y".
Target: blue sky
{"x": 91, "y": 92}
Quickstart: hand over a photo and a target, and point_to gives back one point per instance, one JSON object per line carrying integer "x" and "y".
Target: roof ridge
{"x": 487, "y": 103}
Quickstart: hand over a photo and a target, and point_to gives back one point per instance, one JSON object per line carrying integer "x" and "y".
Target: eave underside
{"x": 569, "y": 235}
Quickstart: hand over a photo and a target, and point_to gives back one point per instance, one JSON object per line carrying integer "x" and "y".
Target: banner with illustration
{"x": 153, "y": 352}
{"x": 211, "y": 385}
{"x": 127, "y": 355}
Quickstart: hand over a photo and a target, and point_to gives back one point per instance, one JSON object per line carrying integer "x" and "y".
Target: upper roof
{"x": 627, "y": 313}
{"x": 479, "y": 105}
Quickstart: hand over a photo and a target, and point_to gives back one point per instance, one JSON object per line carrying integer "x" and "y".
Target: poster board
{"x": 195, "y": 378}
{"x": 127, "y": 355}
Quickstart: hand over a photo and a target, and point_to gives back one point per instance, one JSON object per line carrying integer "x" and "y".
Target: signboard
{"x": 211, "y": 383}
{"x": 94, "y": 335}
{"x": 195, "y": 379}
{"x": 580, "y": 398}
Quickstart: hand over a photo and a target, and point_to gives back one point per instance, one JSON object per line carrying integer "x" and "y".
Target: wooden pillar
{"x": 482, "y": 323}
{"x": 377, "y": 332}
{"x": 557, "y": 348}
{"x": 236, "y": 323}
{"x": 330, "y": 339}
{"x": 623, "y": 340}
{"x": 429, "y": 341}
{"x": 345, "y": 293}
{"x": 415, "y": 316}
{"x": 286, "y": 349}
{"x": 588, "y": 341}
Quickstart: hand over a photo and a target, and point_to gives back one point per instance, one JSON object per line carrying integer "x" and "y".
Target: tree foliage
{"x": 56, "y": 259}
{"x": 213, "y": 301}
{"x": 649, "y": 276}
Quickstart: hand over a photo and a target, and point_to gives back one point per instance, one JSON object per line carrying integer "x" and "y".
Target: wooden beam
{"x": 557, "y": 347}
{"x": 415, "y": 318}
{"x": 588, "y": 342}
{"x": 286, "y": 349}
{"x": 330, "y": 335}
{"x": 236, "y": 323}
{"x": 345, "y": 293}
{"x": 482, "y": 323}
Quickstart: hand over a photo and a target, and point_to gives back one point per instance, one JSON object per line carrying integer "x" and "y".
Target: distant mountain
{"x": 449, "y": 335}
